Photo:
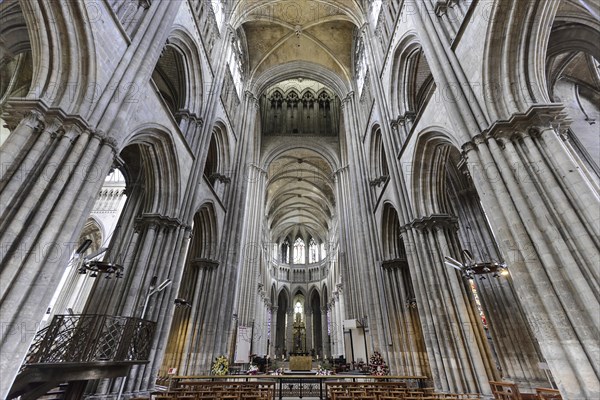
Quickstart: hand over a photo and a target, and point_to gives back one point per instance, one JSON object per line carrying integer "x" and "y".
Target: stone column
{"x": 273, "y": 339}
{"x": 201, "y": 273}
{"x": 289, "y": 332}
{"x": 35, "y": 254}
{"x": 325, "y": 333}
{"x": 543, "y": 277}
{"x": 458, "y": 354}
{"x": 220, "y": 340}
{"x": 309, "y": 329}
{"x": 362, "y": 245}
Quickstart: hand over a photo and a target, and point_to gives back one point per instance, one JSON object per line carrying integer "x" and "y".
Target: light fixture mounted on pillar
{"x": 182, "y": 303}
{"x": 469, "y": 268}
{"x": 95, "y": 267}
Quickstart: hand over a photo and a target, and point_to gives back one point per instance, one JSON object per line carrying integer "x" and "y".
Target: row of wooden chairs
{"x": 197, "y": 390}
{"x": 407, "y": 396}
{"x": 208, "y": 396}
{"x": 388, "y": 391}
{"x": 510, "y": 391}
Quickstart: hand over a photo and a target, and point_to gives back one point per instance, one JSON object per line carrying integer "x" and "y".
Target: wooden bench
{"x": 547, "y": 394}
{"x": 509, "y": 391}
{"x": 202, "y": 390}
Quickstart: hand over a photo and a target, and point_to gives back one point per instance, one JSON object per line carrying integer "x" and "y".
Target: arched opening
{"x": 573, "y": 79}
{"x": 414, "y": 83}
{"x": 216, "y": 168}
{"x": 170, "y": 78}
{"x": 299, "y": 251}
{"x": 379, "y": 166}
{"x": 16, "y": 63}
{"x": 298, "y": 324}
{"x": 142, "y": 243}
{"x": 313, "y": 251}
{"x": 77, "y": 282}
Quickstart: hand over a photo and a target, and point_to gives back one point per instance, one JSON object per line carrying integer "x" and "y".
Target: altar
{"x": 300, "y": 363}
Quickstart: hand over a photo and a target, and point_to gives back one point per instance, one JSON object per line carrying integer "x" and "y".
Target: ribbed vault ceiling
{"x": 300, "y": 195}
{"x": 279, "y": 32}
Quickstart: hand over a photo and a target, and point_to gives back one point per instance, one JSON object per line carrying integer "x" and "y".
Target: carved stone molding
{"x": 441, "y": 7}
{"x": 537, "y": 119}
{"x": 153, "y": 221}
{"x": 434, "y": 221}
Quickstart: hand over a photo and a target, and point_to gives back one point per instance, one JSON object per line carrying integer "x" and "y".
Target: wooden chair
{"x": 547, "y": 394}
{"x": 505, "y": 391}
{"x": 230, "y": 396}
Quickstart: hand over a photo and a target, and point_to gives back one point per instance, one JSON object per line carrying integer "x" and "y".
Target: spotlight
{"x": 183, "y": 303}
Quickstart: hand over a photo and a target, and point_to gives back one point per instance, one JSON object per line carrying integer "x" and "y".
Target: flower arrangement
{"x": 278, "y": 371}
{"x": 220, "y": 366}
{"x": 253, "y": 370}
{"x": 377, "y": 365}
{"x": 323, "y": 371}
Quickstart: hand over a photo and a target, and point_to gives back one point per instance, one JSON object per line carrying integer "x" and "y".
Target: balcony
{"x": 83, "y": 347}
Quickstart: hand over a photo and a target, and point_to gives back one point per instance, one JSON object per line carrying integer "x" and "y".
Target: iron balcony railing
{"x": 92, "y": 338}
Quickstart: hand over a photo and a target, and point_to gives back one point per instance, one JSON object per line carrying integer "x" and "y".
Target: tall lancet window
{"x": 285, "y": 252}
{"x": 313, "y": 251}
{"x": 299, "y": 257}
{"x": 323, "y": 251}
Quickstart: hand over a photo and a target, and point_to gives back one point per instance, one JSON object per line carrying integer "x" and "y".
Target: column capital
{"x": 435, "y": 222}
{"x": 408, "y": 116}
{"x": 349, "y": 97}
{"x": 155, "y": 221}
{"x": 190, "y": 116}
{"x": 30, "y": 112}
{"x": 250, "y": 96}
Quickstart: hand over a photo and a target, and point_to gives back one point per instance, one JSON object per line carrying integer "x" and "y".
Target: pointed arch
{"x": 217, "y": 167}
{"x": 413, "y": 82}
{"x": 72, "y": 56}
{"x": 193, "y": 98}
{"x": 379, "y": 165}
{"x": 151, "y": 162}
{"x": 391, "y": 235}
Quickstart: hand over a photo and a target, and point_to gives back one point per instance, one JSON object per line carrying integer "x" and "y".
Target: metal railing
{"x": 92, "y": 338}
